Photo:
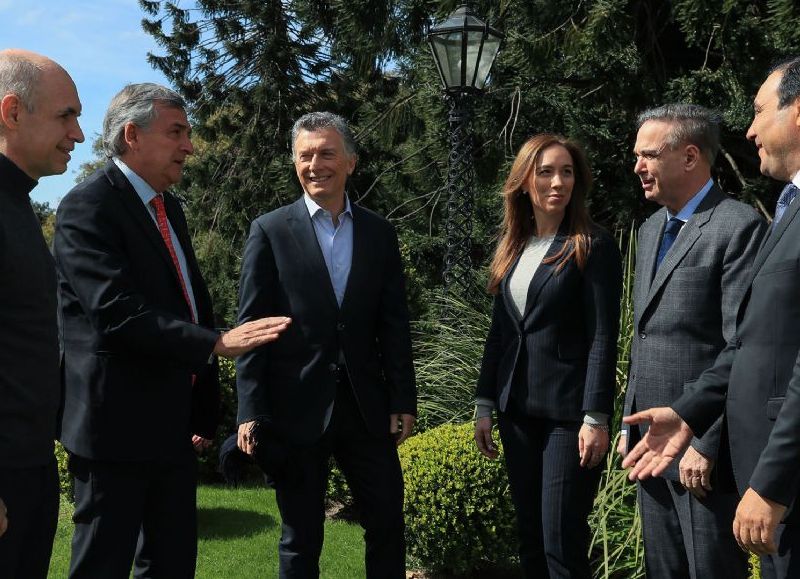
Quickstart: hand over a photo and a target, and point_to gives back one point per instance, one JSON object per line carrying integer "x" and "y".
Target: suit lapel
{"x": 309, "y": 252}
{"x": 773, "y": 237}
{"x": 688, "y": 236}
{"x": 133, "y": 203}
{"x": 505, "y": 291}
{"x": 543, "y": 273}
{"x": 358, "y": 265}
{"x": 650, "y": 238}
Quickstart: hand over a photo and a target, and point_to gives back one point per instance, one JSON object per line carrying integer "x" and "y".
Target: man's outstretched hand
{"x": 249, "y": 335}
{"x": 666, "y": 438}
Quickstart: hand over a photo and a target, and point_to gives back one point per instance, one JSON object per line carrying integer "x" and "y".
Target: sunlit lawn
{"x": 238, "y": 537}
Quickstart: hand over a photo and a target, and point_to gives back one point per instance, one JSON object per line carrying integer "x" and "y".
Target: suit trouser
{"x": 372, "y": 469}
{"x": 689, "y": 537}
{"x": 552, "y": 495}
{"x": 31, "y": 497}
{"x": 782, "y": 565}
{"x": 144, "y": 510}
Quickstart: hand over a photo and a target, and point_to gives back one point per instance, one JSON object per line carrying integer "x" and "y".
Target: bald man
{"x": 39, "y": 109}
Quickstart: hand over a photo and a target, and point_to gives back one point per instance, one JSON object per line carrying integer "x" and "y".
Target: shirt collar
{"x": 145, "y": 192}
{"x": 796, "y": 179}
{"x": 314, "y": 208}
{"x": 690, "y": 207}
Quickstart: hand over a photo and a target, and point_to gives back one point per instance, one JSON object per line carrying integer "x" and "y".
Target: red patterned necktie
{"x": 161, "y": 218}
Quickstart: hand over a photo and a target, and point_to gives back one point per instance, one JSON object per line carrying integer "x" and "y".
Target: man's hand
{"x": 400, "y": 425}
{"x": 245, "y": 439}
{"x": 483, "y": 437}
{"x": 199, "y": 443}
{"x": 755, "y": 523}
{"x": 249, "y": 335}
{"x": 666, "y": 438}
{"x": 3, "y": 518}
{"x": 695, "y": 472}
{"x": 622, "y": 444}
{"x": 592, "y": 445}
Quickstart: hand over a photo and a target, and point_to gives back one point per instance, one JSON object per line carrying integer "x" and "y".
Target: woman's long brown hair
{"x": 518, "y": 218}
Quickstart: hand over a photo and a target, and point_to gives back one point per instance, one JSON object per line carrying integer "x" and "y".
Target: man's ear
{"x": 691, "y": 157}
{"x": 10, "y": 106}
{"x": 131, "y": 136}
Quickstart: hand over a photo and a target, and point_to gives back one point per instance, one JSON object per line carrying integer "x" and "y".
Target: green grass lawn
{"x": 238, "y": 533}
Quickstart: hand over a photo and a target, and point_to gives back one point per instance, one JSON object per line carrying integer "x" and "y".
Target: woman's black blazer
{"x": 565, "y": 342}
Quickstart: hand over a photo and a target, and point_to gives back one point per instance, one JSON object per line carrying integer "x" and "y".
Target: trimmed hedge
{"x": 458, "y": 510}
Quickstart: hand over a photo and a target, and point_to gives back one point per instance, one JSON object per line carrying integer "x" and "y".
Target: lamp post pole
{"x": 460, "y": 197}
{"x": 464, "y": 48}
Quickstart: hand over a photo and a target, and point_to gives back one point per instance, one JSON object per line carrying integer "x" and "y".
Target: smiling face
{"x": 775, "y": 131}
{"x": 550, "y": 184}
{"x": 40, "y": 141}
{"x": 323, "y": 164}
{"x": 157, "y": 153}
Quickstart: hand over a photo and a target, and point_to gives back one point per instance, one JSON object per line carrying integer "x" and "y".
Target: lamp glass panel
{"x": 474, "y": 39}
{"x": 490, "y": 47}
{"x": 447, "y": 48}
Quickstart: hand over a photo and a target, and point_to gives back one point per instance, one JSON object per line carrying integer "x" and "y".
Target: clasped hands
{"x": 757, "y": 517}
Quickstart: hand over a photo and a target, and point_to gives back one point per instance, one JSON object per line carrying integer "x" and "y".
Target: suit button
{"x": 340, "y": 326}
{"x": 333, "y": 367}
{"x": 642, "y": 335}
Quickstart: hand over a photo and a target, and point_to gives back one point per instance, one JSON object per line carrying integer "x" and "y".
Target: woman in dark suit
{"x": 548, "y": 366}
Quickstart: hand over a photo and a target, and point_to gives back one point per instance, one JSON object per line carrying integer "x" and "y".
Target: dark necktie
{"x": 670, "y": 233}
{"x": 789, "y": 192}
{"x": 163, "y": 227}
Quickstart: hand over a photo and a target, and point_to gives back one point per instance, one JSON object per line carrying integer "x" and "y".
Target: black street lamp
{"x": 464, "y": 49}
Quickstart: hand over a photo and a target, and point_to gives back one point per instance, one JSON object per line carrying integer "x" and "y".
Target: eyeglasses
{"x": 650, "y": 154}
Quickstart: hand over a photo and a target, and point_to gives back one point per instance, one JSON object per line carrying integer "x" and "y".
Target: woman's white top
{"x": 528, "y": 263}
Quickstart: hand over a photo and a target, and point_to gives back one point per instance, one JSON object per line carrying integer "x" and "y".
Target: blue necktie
{"x": 789, "y": 192}
{"x": 670, "y": 233}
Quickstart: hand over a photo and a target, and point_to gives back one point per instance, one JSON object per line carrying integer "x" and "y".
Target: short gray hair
{"x": 136, "y": 103}
{"x": 324, "y": 120}
{"x": 690, "y": 123}
{"x": 20, "y": 76}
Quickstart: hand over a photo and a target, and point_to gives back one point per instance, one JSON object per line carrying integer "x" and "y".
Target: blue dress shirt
{"x": 146, "y": 194}
{"x": 688, "y": 210}
{"x": 335, "y": 241}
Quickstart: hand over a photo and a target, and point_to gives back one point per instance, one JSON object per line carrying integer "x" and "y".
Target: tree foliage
{"x": 580, "y": 67}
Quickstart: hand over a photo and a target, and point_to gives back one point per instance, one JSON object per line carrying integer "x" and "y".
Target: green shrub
{"x": 458, "y": 510}
{"x": 64, "y": 477}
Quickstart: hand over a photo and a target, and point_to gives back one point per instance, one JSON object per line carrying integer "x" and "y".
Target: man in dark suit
{"x": 39, "y": 110}
{"x": 692, "y": 262}
{"x": 340, "y": 382}
{"x": 756, "y": 378}
{"x": 138, "y": 345}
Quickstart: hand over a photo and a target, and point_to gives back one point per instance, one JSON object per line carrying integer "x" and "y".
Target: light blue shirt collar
{"x": 690, "y": 207}
{"x": 313, "y": 207}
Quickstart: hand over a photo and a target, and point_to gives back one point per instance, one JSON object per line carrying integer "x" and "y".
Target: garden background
{"x": 583, "y": 68}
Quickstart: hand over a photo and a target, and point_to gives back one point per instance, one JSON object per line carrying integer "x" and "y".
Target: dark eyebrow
{"x": 70, "y": 111}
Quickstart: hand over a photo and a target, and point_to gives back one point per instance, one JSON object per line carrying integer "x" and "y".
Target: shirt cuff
{"x": 596, "y": 418}
{"x": 483, "y": 407}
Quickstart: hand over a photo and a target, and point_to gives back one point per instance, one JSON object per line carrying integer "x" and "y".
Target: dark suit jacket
{"x": 685, "y": 313}
{"x": 756, "y": 378}
{"x": 565, "y": 345}
{"x": 290, "y": 384}
{"x": 130, "y": 347}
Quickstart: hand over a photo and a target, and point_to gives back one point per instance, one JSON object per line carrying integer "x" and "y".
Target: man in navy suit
{"x": 139, "y": 347}
{"x": 755, "y": 380}
{"x": 340, "y": 381}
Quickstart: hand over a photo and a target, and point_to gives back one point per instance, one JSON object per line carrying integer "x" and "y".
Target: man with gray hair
{"x": 693, "y": 259}
{"x": 340, "y": 382}
{"x": 140, "y": 373}
{"x": 39, "y": 109}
